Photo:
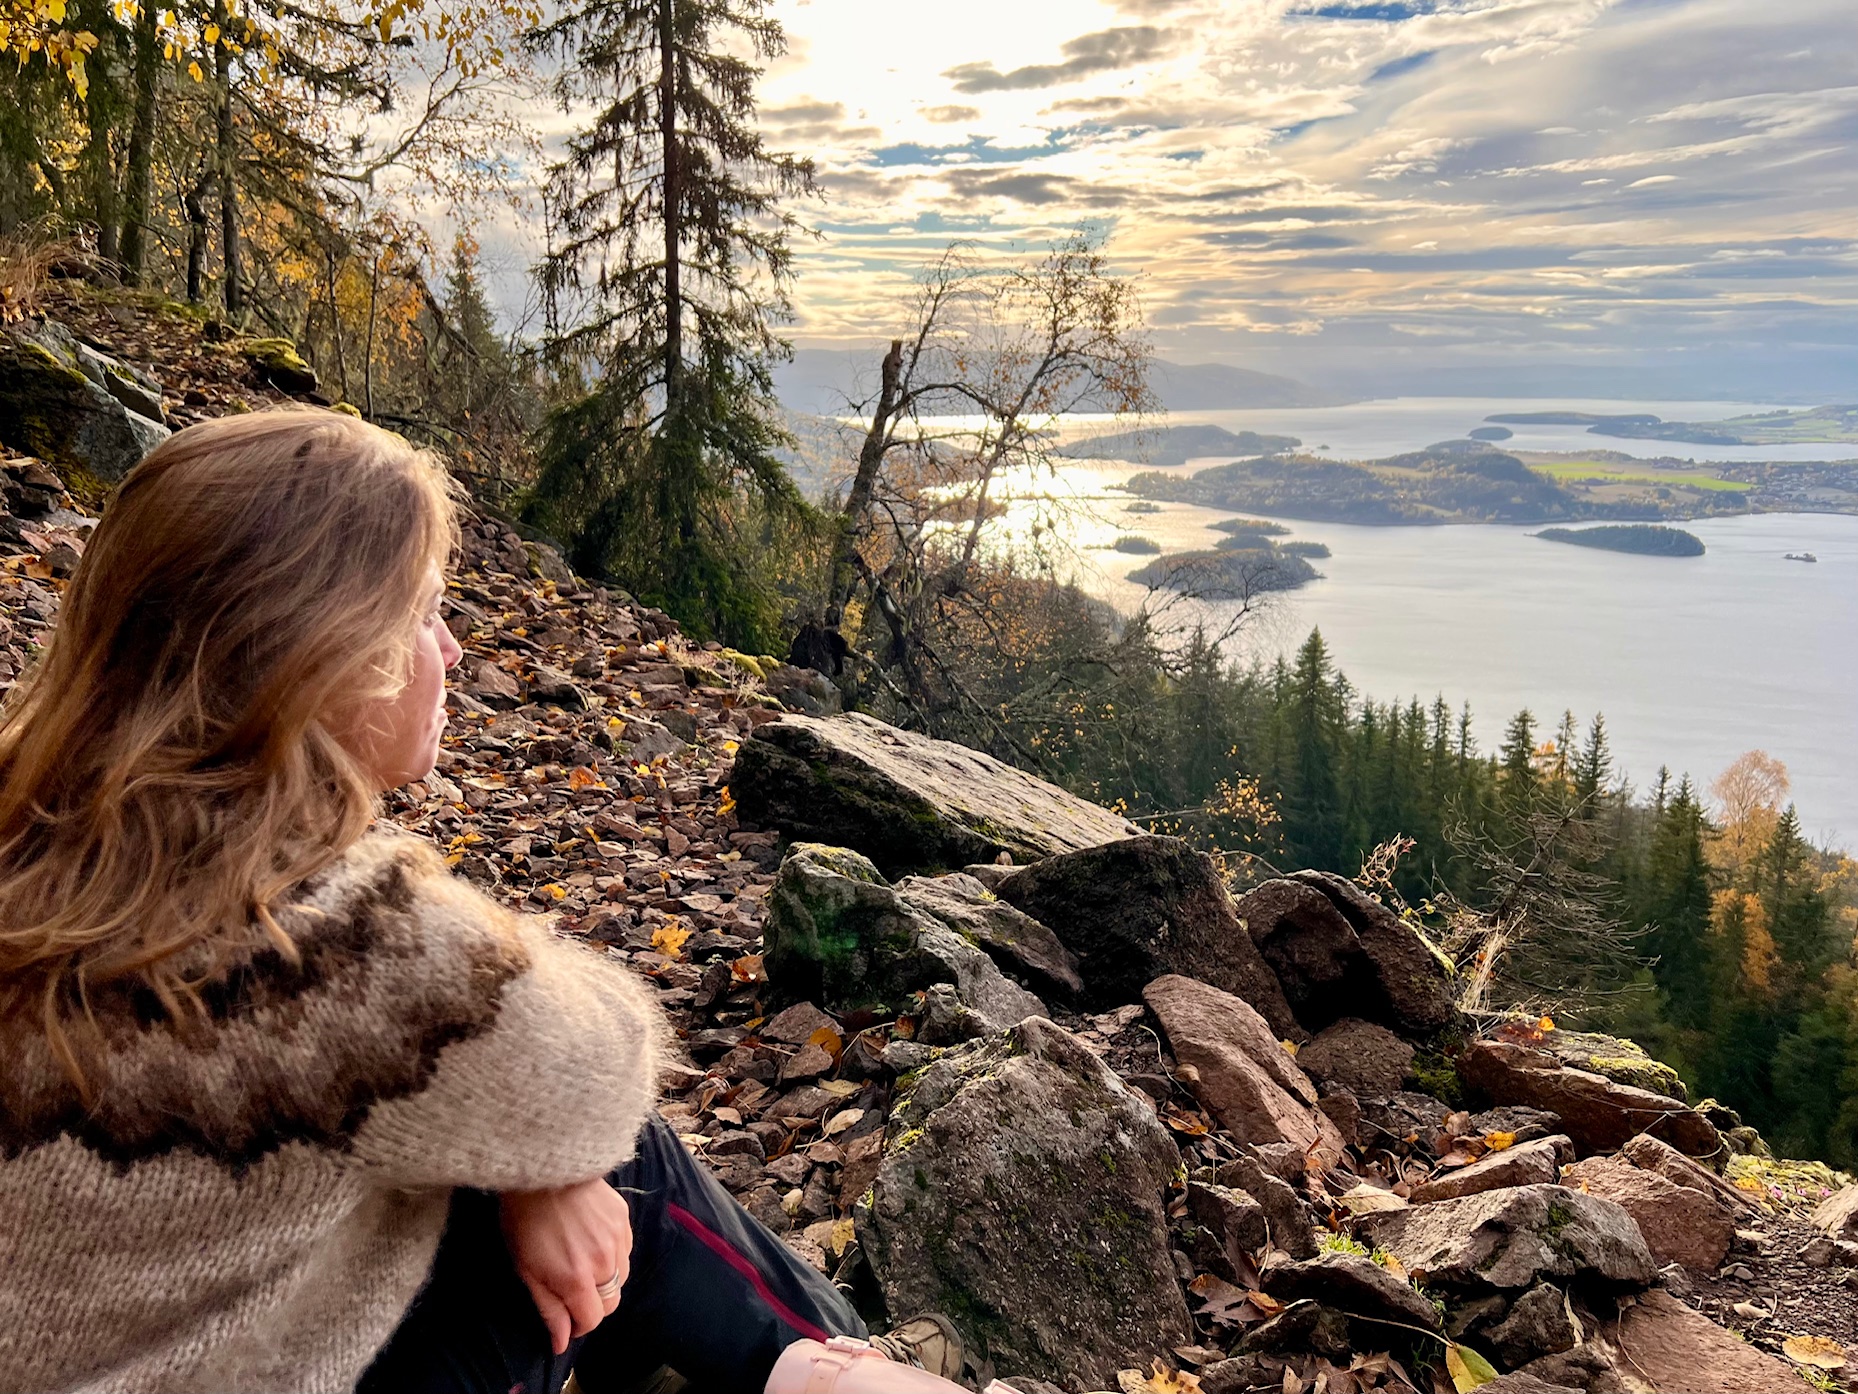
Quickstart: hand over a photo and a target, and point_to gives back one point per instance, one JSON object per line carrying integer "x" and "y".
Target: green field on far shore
{"x": 1608, "y": 472}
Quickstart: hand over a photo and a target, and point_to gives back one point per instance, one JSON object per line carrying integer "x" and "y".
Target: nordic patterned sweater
{"x": 256, "y": 1209}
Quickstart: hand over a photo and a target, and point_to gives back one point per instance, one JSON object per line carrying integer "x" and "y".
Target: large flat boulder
{"x": 1140, "y": 907}
{"x": 1022, "y": 1193}
{"x": 1338, "y": 952}
{"x": 1238, "y": 1070}
{"x": 1671, "y": 1349}
{"x": 1515, "y": 1238}
{"x": 1019, "y": 944}
{"x": 907, "y": 802}
{"x": 1680, "y": 1225}
{"x": 838, "y": 933}
{"x": 1599, "y": 1114}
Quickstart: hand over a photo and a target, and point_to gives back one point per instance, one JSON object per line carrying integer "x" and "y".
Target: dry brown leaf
{"x": 1821, "y": 1352}
{"x": 840, "y": 1121}
{"x": 827, "y": 1040}
{"x": 750, "y": 968}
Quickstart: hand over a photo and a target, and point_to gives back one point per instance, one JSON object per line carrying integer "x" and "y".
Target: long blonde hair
{"x": 171, "y": 768}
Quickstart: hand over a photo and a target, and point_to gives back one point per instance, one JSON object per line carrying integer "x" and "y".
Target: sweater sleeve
{"x": 549, "y": 1057}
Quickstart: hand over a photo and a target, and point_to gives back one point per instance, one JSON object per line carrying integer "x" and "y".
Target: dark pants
{"x": 711, "y": 1294}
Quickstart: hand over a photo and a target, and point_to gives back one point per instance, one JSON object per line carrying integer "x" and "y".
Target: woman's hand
{"x": 567, "y": 1243}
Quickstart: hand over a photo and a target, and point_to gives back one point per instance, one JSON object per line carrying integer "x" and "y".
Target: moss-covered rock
{"x": 1618, "y": 1059}
{"x": 839, "y": 935}
{"x": 277, "y": 362}
{"x": 1021, "y": 1193}
{"x": 49, "y": 407}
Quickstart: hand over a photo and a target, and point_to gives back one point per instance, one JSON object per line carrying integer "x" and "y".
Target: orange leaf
{"x": 580, "y": 777}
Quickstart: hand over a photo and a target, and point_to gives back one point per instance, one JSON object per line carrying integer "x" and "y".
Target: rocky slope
{"x": 990, "y": 1050}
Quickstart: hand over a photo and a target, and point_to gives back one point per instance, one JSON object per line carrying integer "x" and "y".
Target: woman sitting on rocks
{"x": 286, "y": 1106}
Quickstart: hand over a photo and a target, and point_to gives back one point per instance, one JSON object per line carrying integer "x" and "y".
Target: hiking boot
{"x": 928, "y": 1342}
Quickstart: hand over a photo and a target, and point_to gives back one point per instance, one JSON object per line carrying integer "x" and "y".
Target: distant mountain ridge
{"x": 832, "y": 382}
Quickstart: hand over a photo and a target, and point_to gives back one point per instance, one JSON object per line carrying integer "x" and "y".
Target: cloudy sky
{"x": 1359, "y": 187}
{"x": 1622, "y": 197}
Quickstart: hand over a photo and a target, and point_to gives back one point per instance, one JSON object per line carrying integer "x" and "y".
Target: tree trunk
{"x": 138, "y": 178}
{"x": 195, "y": 201}
{"x": 367, "y": 365}
{"x": 97, "y": 163}
{"x": 673, "y": 195}
{"x": 843, "y": 573}
{"x": 234, "y": 289}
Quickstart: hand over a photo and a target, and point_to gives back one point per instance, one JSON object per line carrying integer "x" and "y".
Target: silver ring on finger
{"x": 608, "y": 1290}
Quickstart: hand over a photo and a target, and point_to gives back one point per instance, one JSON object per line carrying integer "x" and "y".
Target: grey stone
{"x": 556, "y": 688}
{"x": 1021, "y": 1191}
{"x": 1290, "y": 1225}
{"x": 1352, "y": 1284}
{"x": 1233, "y": 1223}
{"x": 1535, "y": 1163}
{"x": 1016, "y": 941}
{"x": 803, "y": 690}
{"x": 907, "y": 802}
{"x": 50, "y": 407}
{"x": 1837, "y": 1214}
{"x": 1300, "y": 1327}
{"x": 1142, "y": 907}
{"x": 1515, "y": 1239}
{"x": 1365, "y": 1059}
{"x": 837, "y": 933}
{"x": 646, "y": 740}
{"x": 1538, "y": 1324}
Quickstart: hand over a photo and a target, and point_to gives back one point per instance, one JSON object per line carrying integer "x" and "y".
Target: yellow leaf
{"x": 843, "y": 1233}
{"x": 1819, "y": 1351}
{"x": 668, "y": 939}
{"x": 1468, "y": 1369}
{"x": 827, "y": 1040}
{"x": 1499, "y": 1142}
{"x": 1290, "y": 1046}
{"x": 193, "y": 71}
{"x": 1161, "y": 1381}
{"x": 556, "y": 892}
{"x": 1547, "y": 1023}
{"x": 211, "y": 35}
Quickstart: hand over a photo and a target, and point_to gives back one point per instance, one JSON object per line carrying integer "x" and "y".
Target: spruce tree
{"x": 668, "y": 270}
{"x": 1317, "y": 724}
{"x": 1678, "y": 904}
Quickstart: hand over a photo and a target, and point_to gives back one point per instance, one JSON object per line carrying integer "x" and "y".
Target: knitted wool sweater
{"x": 253, "y": 1207}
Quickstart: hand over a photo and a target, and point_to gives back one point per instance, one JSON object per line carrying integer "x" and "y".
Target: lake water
{"x": 1692, "y": 660}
